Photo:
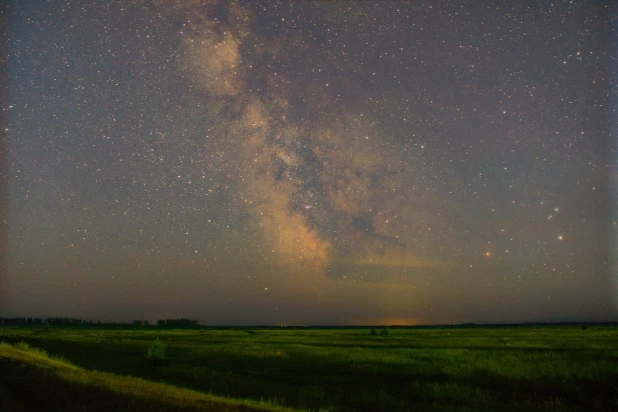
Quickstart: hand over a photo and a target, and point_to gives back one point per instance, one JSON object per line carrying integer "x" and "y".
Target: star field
{"x": 309, "y": 162}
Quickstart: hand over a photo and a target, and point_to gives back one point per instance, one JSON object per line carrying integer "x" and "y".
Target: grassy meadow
{"x": 477, "y": 368}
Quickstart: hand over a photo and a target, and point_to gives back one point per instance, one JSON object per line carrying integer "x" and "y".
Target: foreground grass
{"x": 518, "y": 368}
{"x": 32, "y": 380}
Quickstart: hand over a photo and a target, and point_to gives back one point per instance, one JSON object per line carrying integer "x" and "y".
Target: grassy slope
{"x": 520, "y": 368}
{"x": 32, "y": 380}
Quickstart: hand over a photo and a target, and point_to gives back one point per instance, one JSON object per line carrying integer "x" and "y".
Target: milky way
{"x": 309, "y": 162}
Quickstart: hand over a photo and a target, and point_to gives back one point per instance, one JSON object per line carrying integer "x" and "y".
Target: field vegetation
{"x": 32, "y": 380}
{"x": 475, "y": 368}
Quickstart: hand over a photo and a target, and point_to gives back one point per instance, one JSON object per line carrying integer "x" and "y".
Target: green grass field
{"x": 515, "y": 368}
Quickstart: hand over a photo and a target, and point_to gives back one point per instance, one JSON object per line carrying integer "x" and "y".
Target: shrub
{"x": 384, "y": 331}
{"x": 373, "y": 332}
{"x": 156, "y": 352}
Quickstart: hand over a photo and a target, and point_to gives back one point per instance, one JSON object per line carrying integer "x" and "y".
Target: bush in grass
{"x": 373, "y": 332}
{"x": 384, "y": 331}
{"x": 156, "y": 352}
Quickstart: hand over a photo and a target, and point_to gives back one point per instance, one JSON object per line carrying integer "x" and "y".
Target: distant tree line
{"x": 161, "y": 323}
{"x": 45, "y": 321}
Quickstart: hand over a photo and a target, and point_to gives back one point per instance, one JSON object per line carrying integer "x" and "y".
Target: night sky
{"x": 309, "y": 163}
